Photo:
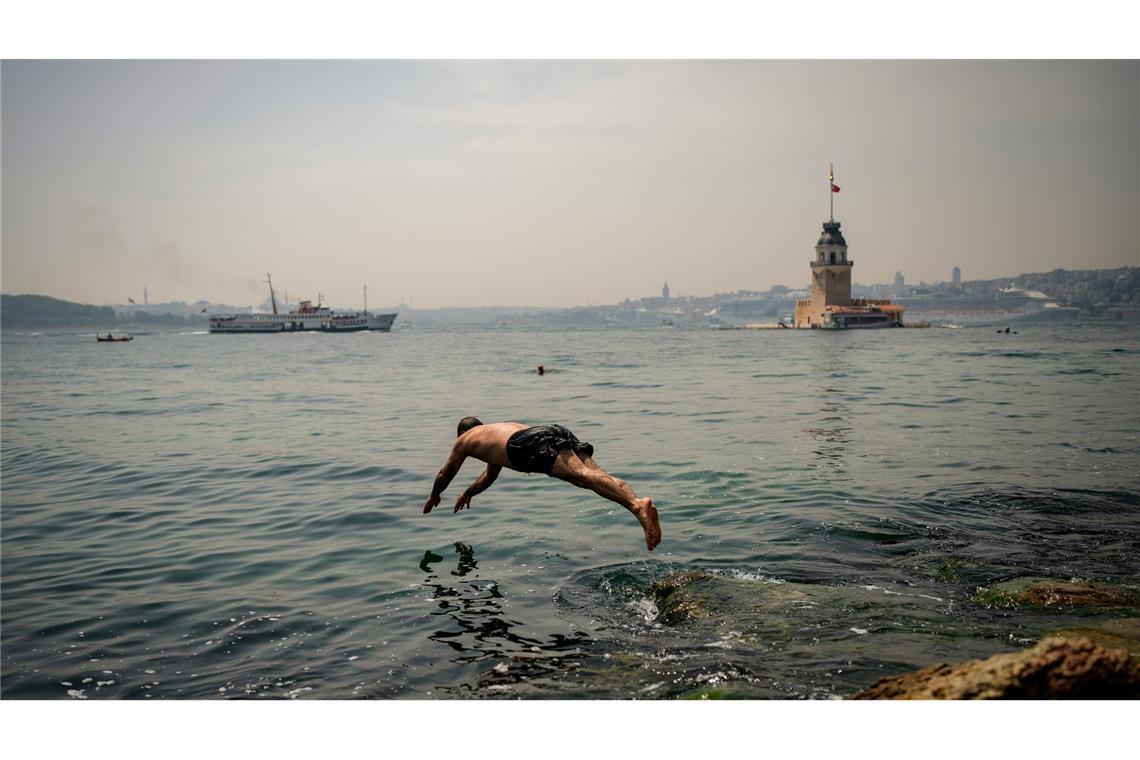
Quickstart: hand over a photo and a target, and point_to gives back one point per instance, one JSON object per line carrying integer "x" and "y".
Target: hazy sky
{"x": 553, "y": 183}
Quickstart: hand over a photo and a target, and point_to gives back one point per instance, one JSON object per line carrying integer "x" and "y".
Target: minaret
{"x": 146, "y": 300}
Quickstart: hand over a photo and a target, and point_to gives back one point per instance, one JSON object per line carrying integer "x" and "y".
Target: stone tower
{"x": 830, "y": 277}
{"x": 665, "y": 291}
{"x": 831, "y": 305}
{"x": 831, "y": 271}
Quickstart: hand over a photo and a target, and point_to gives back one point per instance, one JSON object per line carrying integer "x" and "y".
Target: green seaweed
{"x": 731, "y": 690}
{"x": 950, "y": 571}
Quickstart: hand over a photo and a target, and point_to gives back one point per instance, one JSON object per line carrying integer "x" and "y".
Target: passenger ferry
{"x": 305, "y": 318}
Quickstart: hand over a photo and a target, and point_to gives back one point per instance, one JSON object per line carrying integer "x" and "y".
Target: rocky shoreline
{"x": 1094, "y": 660}
{"x": 1057, "y": 668}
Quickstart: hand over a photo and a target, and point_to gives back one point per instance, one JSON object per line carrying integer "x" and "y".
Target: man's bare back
{"x": 550, "y": 449}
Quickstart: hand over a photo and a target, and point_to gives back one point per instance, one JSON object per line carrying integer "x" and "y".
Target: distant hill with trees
{"x": 45, "y": 311}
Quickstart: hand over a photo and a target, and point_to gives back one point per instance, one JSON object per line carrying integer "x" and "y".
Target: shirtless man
{"x": 550, "y": 449}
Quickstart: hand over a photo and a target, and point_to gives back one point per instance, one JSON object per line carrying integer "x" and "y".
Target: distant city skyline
{"x": 898, "y": 286}
{"x": 554, "y": 184}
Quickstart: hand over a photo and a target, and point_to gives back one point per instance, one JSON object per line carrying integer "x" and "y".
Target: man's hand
{"x": 463, "y": 501}
{"x": 432, "y": 501}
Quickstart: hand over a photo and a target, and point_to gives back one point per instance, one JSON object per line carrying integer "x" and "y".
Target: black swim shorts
{"x": 534, "y": 449}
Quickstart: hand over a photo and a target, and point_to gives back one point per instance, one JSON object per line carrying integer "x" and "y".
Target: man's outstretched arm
{"x": 481, "y": 484}
{"x": 443, "y": 479}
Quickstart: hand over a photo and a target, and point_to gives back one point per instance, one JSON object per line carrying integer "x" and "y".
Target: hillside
{"x": 44, "y": 311}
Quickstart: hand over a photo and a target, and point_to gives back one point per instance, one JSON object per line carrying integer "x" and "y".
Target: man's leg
{"x": 585, "y": 473}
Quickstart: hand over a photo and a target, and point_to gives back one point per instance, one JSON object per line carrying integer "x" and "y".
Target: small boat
{"x": 109, "y": 338}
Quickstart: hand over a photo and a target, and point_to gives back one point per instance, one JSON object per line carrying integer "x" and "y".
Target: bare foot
{"x": 646, "y": 514}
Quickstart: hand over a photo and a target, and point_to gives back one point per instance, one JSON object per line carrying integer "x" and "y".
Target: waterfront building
{"x": 956, "y": 276}
{"x": 831, "y": 304}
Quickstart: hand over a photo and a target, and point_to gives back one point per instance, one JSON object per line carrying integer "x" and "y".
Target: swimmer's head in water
{"x": 466, "y": 424}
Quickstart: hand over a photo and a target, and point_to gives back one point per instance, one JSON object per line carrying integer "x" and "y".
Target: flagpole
{"x": 830, "y": 189}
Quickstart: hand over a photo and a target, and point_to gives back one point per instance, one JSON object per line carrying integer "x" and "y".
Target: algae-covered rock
{"x": 675, "y": 597}
{"x": 1056, "y": 668}
{"x": 674, "y": 581}
{"x": 696, "y": 594}
{"x": 1123, "y": 633}
{"x": 1051, "y": 592}
{"x": 950, "y": 570}
{"x": 731, "y": 690}
{"x": 760, "y": 613}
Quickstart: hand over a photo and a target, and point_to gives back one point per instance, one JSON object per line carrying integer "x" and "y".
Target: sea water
{"x": 204, "y": 516}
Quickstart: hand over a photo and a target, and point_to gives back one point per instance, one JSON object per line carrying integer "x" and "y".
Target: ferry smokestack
{"x": 272, "y": 298}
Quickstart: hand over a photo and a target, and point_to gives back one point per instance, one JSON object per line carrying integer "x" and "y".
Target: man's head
{"x": 466, "y": 424}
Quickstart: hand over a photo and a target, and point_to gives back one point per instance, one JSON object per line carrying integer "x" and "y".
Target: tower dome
{"x": 831, "y": 235}
{"x": 831, "y": 249}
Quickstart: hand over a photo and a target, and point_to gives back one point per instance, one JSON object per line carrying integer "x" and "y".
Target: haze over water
{"x": 194, "y": 515}
{"x": 187, "y": 178}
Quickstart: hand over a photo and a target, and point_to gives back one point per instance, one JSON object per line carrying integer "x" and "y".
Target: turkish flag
{"x": 834, "y": 188}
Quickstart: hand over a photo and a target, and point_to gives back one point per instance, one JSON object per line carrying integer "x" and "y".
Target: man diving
{"x": 549, "y": 449}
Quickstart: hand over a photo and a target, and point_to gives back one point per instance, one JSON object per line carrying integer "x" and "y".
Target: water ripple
{"x": 243, "y": 518}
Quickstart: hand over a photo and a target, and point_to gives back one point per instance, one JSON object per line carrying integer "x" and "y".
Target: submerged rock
{"x": 950, "y": 570}
{"x": 676, "y": 601}
{"x": 730, "y": 690}
{"x": 761, "y": 612}
{"x": 1056, "y": 668}
{"x": 1051, "y": 592}
{"x": 697, "y": 594}
{"x": 674, "y": 581}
